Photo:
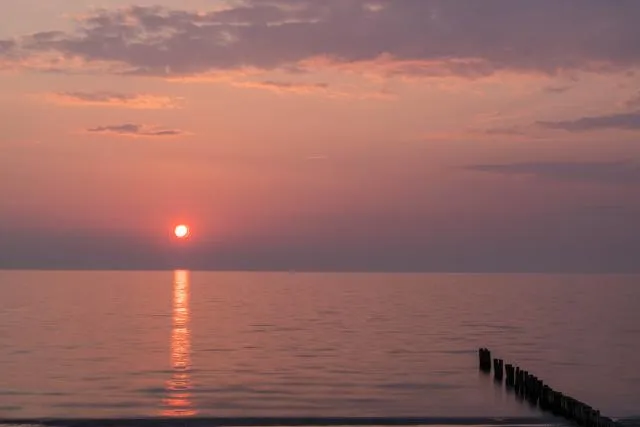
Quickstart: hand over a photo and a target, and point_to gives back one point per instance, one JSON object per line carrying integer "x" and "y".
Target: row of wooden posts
{"x": 537, "y": 393}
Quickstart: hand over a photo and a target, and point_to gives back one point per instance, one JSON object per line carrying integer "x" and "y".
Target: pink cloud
{"x": 113, "y": 99}
{"x": 136, "y": 130}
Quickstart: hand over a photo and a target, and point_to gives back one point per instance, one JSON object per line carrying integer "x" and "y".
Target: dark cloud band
{"x": 447, "y": 36}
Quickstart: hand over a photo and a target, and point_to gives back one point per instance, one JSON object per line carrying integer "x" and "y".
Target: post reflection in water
{"x": 178, "y": 400}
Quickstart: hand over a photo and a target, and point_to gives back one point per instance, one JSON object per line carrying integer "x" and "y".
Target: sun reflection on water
{"x": 178, "y": 399}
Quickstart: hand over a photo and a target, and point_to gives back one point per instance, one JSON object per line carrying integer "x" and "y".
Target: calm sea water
{"x": 128, "y": 344}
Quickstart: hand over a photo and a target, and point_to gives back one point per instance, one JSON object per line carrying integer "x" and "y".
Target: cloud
{"x": 622, "y": 172}
{"x": 136, "y": 130}
{"x": 322, "y": 89}
{"x": 287, "y": 87}
{"x": 7, "y": 46}
{"x": 505, "y": 131}
{"x": 419, "y": 37}
{"x": 633, "y": 102}
{"x": 556, "y": 89}
{"x": 114, "y": 99}
{"x": 625, "y": 121}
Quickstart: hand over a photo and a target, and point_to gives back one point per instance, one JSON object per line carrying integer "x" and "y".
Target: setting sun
{"x": 181, "y": 231}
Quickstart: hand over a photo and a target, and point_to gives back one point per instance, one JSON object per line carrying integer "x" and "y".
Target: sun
{"x": 181, "y": 231}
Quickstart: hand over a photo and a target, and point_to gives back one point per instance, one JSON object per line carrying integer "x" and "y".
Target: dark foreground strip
{"x": 277, "y": 421}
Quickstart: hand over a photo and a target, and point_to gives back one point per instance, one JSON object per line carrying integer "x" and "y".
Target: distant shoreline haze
{"x": 108, "y": 253}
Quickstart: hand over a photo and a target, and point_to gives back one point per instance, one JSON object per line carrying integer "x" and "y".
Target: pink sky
{"x": 337, "y": 134}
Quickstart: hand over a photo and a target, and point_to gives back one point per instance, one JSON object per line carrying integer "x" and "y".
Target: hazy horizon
{"x": 333, "y": 135}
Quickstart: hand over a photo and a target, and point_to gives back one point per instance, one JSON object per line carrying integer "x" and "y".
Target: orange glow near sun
{"x": 181, "y": 231}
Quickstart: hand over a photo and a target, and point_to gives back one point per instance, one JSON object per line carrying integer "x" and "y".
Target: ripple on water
{"x": 417, "y": 386}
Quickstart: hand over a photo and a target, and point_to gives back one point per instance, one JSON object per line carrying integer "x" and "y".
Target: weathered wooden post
{"x": 498, "y": 369}
{"x": 510, "y": 375}
{"x": 484, "y": 356}
{"x": 549, "y": 397}
{"x": 522, "y": 387}
{"x": 571, "y": 408}
{"x": 587, "y": 415}
{"x": 487, "y": 360}
{"x": 564, "y": 406}
{"x": 539, "y": 385}
{"x": 532, "y": 389}
{"x": 578, "y": 413}
{"x": 606, "y": 422}
{"x": 596, "y": 418}
{"x": 590, "y": 417}
{"x": 557, "y": 403}
{"x": 544, "y": 397}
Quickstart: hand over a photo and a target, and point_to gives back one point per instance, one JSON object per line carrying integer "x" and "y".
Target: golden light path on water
{"x": 177, "y": 402}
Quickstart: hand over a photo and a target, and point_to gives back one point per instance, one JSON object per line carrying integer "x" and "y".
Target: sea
{"x": 197, "y": 345}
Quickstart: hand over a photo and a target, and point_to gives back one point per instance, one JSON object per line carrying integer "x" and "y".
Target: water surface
{"x": 129, "y": 344}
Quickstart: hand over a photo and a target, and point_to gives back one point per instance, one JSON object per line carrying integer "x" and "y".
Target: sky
{"x": 325, "y": 135}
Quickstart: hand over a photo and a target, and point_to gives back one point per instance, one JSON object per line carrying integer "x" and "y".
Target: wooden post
{"x": 539, "y": 385}
{"x": 498, "y": 369}
{"x": 533, "y": 398}
{"x": 522, "y": 387}
{"x": 578, "y": 413}
{"x": 557, "y": 403}
{"x": 564, "y": 406}
{"x": 510, "y": 375}
{"x": 484, "y": 357}
{"x": 590, "y": 416}
{"x": 545, "y": 403}
{"x": 571, "y": 408}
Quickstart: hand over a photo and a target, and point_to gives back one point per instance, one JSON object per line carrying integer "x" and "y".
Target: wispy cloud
{"x": 556, "y": 89}
{"x": 633, "y": 102}
{"x": 286, "y": 87}
{"x": 505, "y": 131}
{"x": 621, "y": 172}
{"x": 7, "y": 46}
{"x": 420, "y": 37}
{"x": 625, "y": 121}
{"x": 320, "y": 89}
{"x": 114, "y": 99}
{"x": 136, "y": 130}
